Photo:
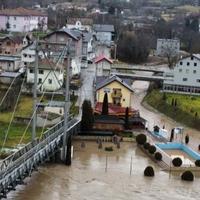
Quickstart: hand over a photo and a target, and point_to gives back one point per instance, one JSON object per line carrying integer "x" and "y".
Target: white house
{"x": 28, "y": 54}
{"x": 185, "y": 77}
{"x": 88, "y": 46}
{"x": 48, "y": 79}
{"x": 103, "y": 66}
{"x": 10, "y": 63}
{"x": 167, "y": 47}
{"x": 22, "y": 20}
{"x": 82, "y": 24}
{"x": 104, "y": 33}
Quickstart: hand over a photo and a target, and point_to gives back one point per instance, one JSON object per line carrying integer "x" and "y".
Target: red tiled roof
{"x": 114, "y": 109}
{"x": 21, "y": 12}
{"x": 102, "y": 57}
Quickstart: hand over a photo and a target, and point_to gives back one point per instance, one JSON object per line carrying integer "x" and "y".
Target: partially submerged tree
{"x": 105, "y": 105}
{"x": 127, "y": 119}
{"x": 87, "y": 116}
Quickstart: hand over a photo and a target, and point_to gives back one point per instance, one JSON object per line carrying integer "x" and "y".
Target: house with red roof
{"x": 103, "y": 65}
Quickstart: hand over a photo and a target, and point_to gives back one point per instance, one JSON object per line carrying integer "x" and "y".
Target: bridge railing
{"x": 46, "y": 136}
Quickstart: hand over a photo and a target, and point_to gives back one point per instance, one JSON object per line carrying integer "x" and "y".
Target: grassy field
{"x": 182, "y": 108}
{"x": 24, "y": 109}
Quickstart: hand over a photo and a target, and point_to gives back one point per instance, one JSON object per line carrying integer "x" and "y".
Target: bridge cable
{"x": 13, "y": 114}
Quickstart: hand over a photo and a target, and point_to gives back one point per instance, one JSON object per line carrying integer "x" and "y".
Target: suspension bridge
{"x": 54, "y": 142}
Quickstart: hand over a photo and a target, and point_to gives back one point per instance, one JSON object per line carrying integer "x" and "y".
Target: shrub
{"x": 152, "y": 149}
{"x": 149, "y": 171}
{"x": 108, "y": 148}
{"x": 158, "y": 156}
{"x": 177, "y": 162}
{"x": 141, "y": 139}
{"x": 197, "y": 163}
{"x": 146, "y": 145}
{"x": 187, "y": 176}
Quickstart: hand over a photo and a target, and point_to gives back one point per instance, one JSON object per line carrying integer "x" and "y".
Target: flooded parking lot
{"x": 88, "y": 179}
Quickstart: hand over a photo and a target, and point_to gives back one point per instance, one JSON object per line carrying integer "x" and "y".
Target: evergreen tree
{"x": 87, "y": 116}
{"x": 175, "y": 103}
{"x": 127, "y": 119}
{"x": 105, "y": 105}
{"x": 164, "y": 97}
{"x": 172, "y": 103}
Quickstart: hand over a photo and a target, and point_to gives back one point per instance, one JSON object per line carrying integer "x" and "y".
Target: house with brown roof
{"x": 11, "y": 45}
{"x": 63, "y": 36}
{"x": 22, "y": 20}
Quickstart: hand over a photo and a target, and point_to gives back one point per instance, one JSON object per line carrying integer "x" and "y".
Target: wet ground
{"x": 88, "y": 178}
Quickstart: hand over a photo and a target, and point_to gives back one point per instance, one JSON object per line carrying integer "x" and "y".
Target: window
{"x": 15, "y": 18}
{"x": 31, "y": 71}
{"x": 184, "y": 79}
{"x": 192, "y": 57}
{"x": 29, "y": 56}
{"x": 194, "y": 71}
{"x": 41, "y": 71}
{"x": 181, "y": 63}
{"x": 25, "y": 55}
{"x": 188, "y": 63}
{"x": 39, "y": 80}
{"x": 8, "y": 43}
{"x": 50, "y": 81}
{"x": 195, "y": 64}
{"x": 198, "y": 80}
{"x": 180, "y": 70}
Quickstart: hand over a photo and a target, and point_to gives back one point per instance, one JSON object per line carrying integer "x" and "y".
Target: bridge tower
{"x": 66, "y": 146}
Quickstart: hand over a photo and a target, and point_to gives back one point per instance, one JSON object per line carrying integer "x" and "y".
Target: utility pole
{"x": 34, "y": 121}
{"x": 67, "y": 100}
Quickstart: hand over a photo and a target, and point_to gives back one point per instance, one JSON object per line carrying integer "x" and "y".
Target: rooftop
{"x": 74, "y": 34}
{"x": 103, "y": 28}
{"x": 84, "y": 21}
{"x": 114, "y": 109}
{"x": 46, "y": 64}
{"x": 101, "y": 58}
{"x": 21, "y": 12}
{"x": 15, "y": 39}
{"x": 9, "y": 58}
{"x": 108, "y": 119}
{"x": 110, "y": 79}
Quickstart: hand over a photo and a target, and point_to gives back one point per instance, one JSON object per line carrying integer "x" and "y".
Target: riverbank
{"x": 184, "y": 109}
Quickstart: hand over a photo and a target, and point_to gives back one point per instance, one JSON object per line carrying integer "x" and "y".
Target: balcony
{"x": 116, "y": 94}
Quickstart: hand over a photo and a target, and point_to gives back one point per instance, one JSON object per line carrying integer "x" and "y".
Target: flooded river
{"x": 90, "y": 178}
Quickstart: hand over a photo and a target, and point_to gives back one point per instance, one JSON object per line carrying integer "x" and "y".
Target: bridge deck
{"x": 21, "y": 163}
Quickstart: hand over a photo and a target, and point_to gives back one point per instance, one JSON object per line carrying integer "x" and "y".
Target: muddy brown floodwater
{"x": 88, "y": 179}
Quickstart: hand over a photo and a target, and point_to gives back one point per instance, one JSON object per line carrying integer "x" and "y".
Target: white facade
{"x": 104, "y": 37}
{"x": 185, "y": 76}
{"x": 10, "y": 63}
{"x": 52, "y": 80}
{"x": 167, "y": 46}
{"x": 28, "y": 54}
{"x": 79, "y": 26}
{"x": 103, "y": 68}
{"x": 22, "y": 20}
